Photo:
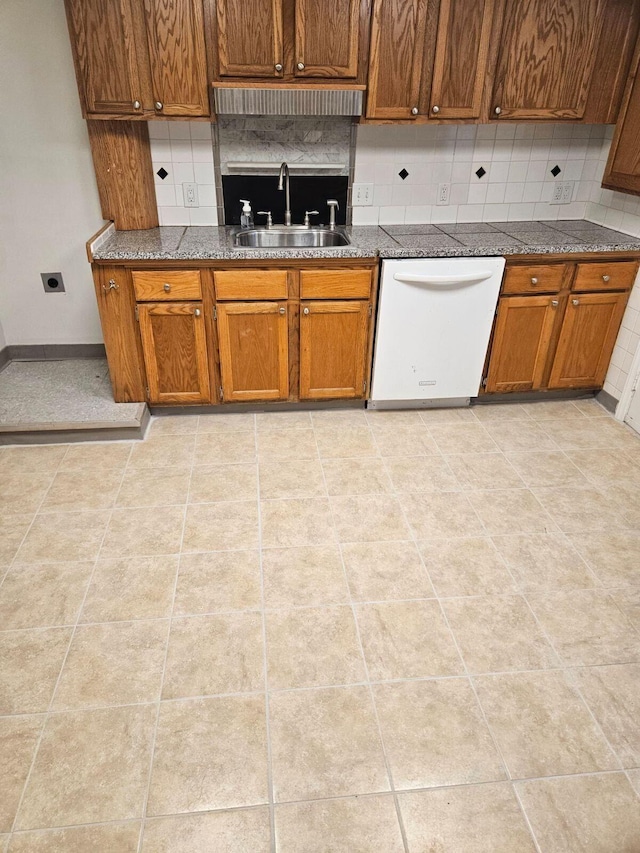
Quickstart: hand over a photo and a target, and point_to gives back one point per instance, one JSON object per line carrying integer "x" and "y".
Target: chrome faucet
{"x": 284, "y": 184}
{"x": 332, "y": 204}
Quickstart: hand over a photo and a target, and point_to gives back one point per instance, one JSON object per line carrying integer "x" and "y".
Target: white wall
{"x": 3, "y": 340}
{"x": 48, "y": 198}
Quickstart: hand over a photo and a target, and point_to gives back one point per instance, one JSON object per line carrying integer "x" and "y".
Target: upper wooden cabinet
{"x": 143, "y": 58}
{"x": 623, "y": 166}
{"x": 292, "y": 39}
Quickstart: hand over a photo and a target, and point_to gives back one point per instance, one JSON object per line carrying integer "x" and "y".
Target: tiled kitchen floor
{"x": 330, "y": 632}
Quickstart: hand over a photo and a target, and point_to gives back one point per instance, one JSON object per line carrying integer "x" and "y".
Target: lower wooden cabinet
{"x": 333, "y": 349}
{"x": 174, "y": 344}
{"x": 254, "y": 350}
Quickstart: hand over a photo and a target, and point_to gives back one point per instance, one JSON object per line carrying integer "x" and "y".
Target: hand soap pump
{"x": 246, "y": 219}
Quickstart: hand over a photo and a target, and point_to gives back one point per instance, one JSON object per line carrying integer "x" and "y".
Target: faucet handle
{"x": 309, "y": 213}
{"x": 332, "y": 202}
{"x": 266, "y": 213}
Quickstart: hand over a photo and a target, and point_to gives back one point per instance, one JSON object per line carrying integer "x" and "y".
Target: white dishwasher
{"x": 433, "y": 329}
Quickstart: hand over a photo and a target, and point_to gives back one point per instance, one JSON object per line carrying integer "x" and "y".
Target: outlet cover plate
{"x": 52, "y": 282}
{"x": 190, "y": 195}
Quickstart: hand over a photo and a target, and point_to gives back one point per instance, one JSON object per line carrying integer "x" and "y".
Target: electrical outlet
{"x": 562, "y": 192}
{"x": 52, "y": 282}
{"x": 443, "y": 193}
{"x": 190, "y": 195}
{"x": 567, "y": 192}
{"x": 362, "y": 195}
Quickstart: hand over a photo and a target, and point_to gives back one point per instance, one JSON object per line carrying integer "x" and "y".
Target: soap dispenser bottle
{"x": 246, "y": 218}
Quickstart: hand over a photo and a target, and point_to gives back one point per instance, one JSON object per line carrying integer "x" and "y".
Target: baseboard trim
{"x": 608, "y": 401}
{"x": 4, "y": 357}
{"x": 51, "y": 352}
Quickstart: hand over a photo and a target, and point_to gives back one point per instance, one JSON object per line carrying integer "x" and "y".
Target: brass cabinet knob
{"x": 555, "y": 302}
{"x": 414, "y": 111}
{"x": 606, "y": 277}
{"x": 301, "y": 66}
{"x": 305, "y": 310}
{"x": 136, "y": 105}
{"x": 435, "y": 109}
{"x": 158, "y": 105}
{"x": 278, "y": 66}
{"x": 283, "y": 310}
{"x": 166, "y": 287}
{"x": 534, "y": 280}
{"x": 497, "y": 111}
{"x": 111, "y": 286}
{"x": 575, "y": 302}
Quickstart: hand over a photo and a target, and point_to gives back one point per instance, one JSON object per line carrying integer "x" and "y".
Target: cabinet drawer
{"x": 606, "y": 276}
{"x": 244, "y": 284}
{"x": 335, "y": 284}
{"x": 154, "y": 285}
{"x": 534, "y": 278}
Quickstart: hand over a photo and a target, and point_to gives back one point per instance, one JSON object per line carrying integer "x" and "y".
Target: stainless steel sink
{"x": 289, "y": 237}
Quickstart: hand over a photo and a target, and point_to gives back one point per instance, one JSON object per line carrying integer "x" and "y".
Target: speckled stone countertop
{"x": 206, "y": 243}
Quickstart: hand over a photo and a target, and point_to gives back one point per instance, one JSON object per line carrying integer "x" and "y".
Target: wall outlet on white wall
{"x": 362, "y": 195}
{"x": 190, "y": 195}
{"x": 443, "y": 193}
{"x": 562, "y": 192}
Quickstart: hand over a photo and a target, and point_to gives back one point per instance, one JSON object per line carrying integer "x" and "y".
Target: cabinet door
{"x": 623, "y": 166}
{"x": 547, "y": 56}
{"x": 397, "y": 56}
{"x": 103, "y": 42}
{"x": 175, "y": 31}
{"x": 175, "y": 352}
{"x": 326, "y": 40}
{"x": 587, "y": 338}
{"x": 460, "y": 64}
{"x": 254, "y": 351}
{"x": 333, "y": 347}
{"x": 521, "y": 343}
{"x": 250, "y": 42}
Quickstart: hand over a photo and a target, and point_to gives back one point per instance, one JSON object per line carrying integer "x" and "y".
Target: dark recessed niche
{"x": 307, "y": 193}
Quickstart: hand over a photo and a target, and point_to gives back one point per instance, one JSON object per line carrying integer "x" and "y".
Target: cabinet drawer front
{"x": 154, "y": 285}
{"x": 335, "y": 284}
{"x": 534, "y": 278}
{"x": 251, "y": 284}
{"x": 607, "y": 276}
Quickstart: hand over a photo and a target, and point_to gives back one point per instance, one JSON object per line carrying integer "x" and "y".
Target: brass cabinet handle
{"x": 167, "y": 287}
{"x": 111, "y": 286}
{"x": 305, "y": 310}
{"x": 136, "y": 105}
{"x": 575, "y": 302}
{"x": 606, "y": 277}
{"x": 497, "y": 111}
{"x": 534, "y": 280}
{"x": 414, "y": 111}
{"x": 555, "y": 303}
{"x": 435, "y": 109}
{"x": 197, "y": 312}
{"x": 278, "y": 66}
{"x": 283, "y": 310}
{"x": 158, "y": 105}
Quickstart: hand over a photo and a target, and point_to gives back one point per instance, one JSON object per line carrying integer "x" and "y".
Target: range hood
{"x": 281, "y": 101}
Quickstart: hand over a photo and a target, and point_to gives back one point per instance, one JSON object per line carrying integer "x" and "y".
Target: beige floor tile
{"x": 547, "y": 468}
{"x": 174, "y": 425}
{"x": 462, "y": 438}
{"x": 469, "y": 819}
{"x": 393, "y": 418}
{"x": 590, "y": 814}
{"x": 421, "y": 474}
{"x": 313, "y": 647}
{"x": 484, "y": 471}
{"x": 356, "y": 476}
{"x": 289, "y": 523}
{"x": 214, "y": 654}
{"x": 115, "y": 663}
{"x": 591, "y": 408}
{"x": 586, "y": 627}
{"x": 352, "y": 825}
{"x": 511, "y": 511}
{"x": 92, "y": 766}
{"x": 634, "y": 778}
{"x": 541, "y": 725}
{"x": 143, "y": 532}
{"x": 520, "y": 435}
{"x": 219, "y": 580}
{"x": 94, "y": 456}
{"x": 542, "y": 561}
{"x": 466, "y": 567}
{"x": 23, "y": 492}
{"x": 434, "y": 734}
{"x": 500, "y": 412}
{"x": 577, "y": 510}
{"x": 344, "y": 441}
{"x": 605, "y": 467}
{"x": 437, "y": 514}
{"x": 286, "y": 444}
{"x": 114, "y": 838}
{"x": 209, "y": 754}
{"x": 30, "y": 662}
{"x": 34, "y": 460}
{"x": 224, "y": 448}
{"x": 230, "y": 422}
{"x": 363, "y": 518}
{"x": 243, "y": 831}
{"x": 404, "y": 441}
{"x": 614, "y": 557}
{"x": 541, "y": 410}
{"x": 585, "y": 433}
{"x": 76, "y": 490}
{"x": 382, "y": 571}
{"x": 295, "y": 577}
{"x": 625, "y": 501}
{"x": 337, "y": 418}
{"x": 325, "y": 743}
{"x": 154, "y": 487}
{"x": 35, "y": 595}
{"x": 12, "y": 531}
{"x": 163, "y": 451}
{"x": 18, "y": 740}
{"x": 498, "y": 634}
{"x": 448, "y": 416}
{"x": 131, "y": 588}
{"x": 628, "y": 600}
{"x": 613, "y": 694}
{"x": 291, "y": 478}
{"x": 407, "y": 639}
{"x": 56, "y": 537}
{"x": 266, "y": 421}
{"x": 221, "y": 526}
{"x": 211, "y": 483}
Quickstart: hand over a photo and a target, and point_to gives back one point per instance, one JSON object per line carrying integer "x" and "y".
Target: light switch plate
{"x": 362, "y": 195}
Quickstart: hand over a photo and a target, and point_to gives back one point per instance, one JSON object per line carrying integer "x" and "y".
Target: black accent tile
{"x": 162, "y": 173}
{"x": 403, "y": 174}
{"x": 556, "y": 171}
{"x": 481, "y": 172}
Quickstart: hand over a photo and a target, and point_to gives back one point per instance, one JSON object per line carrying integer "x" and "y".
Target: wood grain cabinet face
{"x": 254, "y": 352}
{"x": 623, "y": 166}
{"x": 547, "y": 57}
{"x": 333, "y": 347}
{"x": 250, "y": 38}
{"x": 326, "y": 38}
{"x": 175, "y": 352}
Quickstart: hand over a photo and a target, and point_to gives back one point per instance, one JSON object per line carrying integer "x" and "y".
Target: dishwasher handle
{"x": 465, "y": 278}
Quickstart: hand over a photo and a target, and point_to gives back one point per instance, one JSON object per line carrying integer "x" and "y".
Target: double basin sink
{"x": 289, "y": 237}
